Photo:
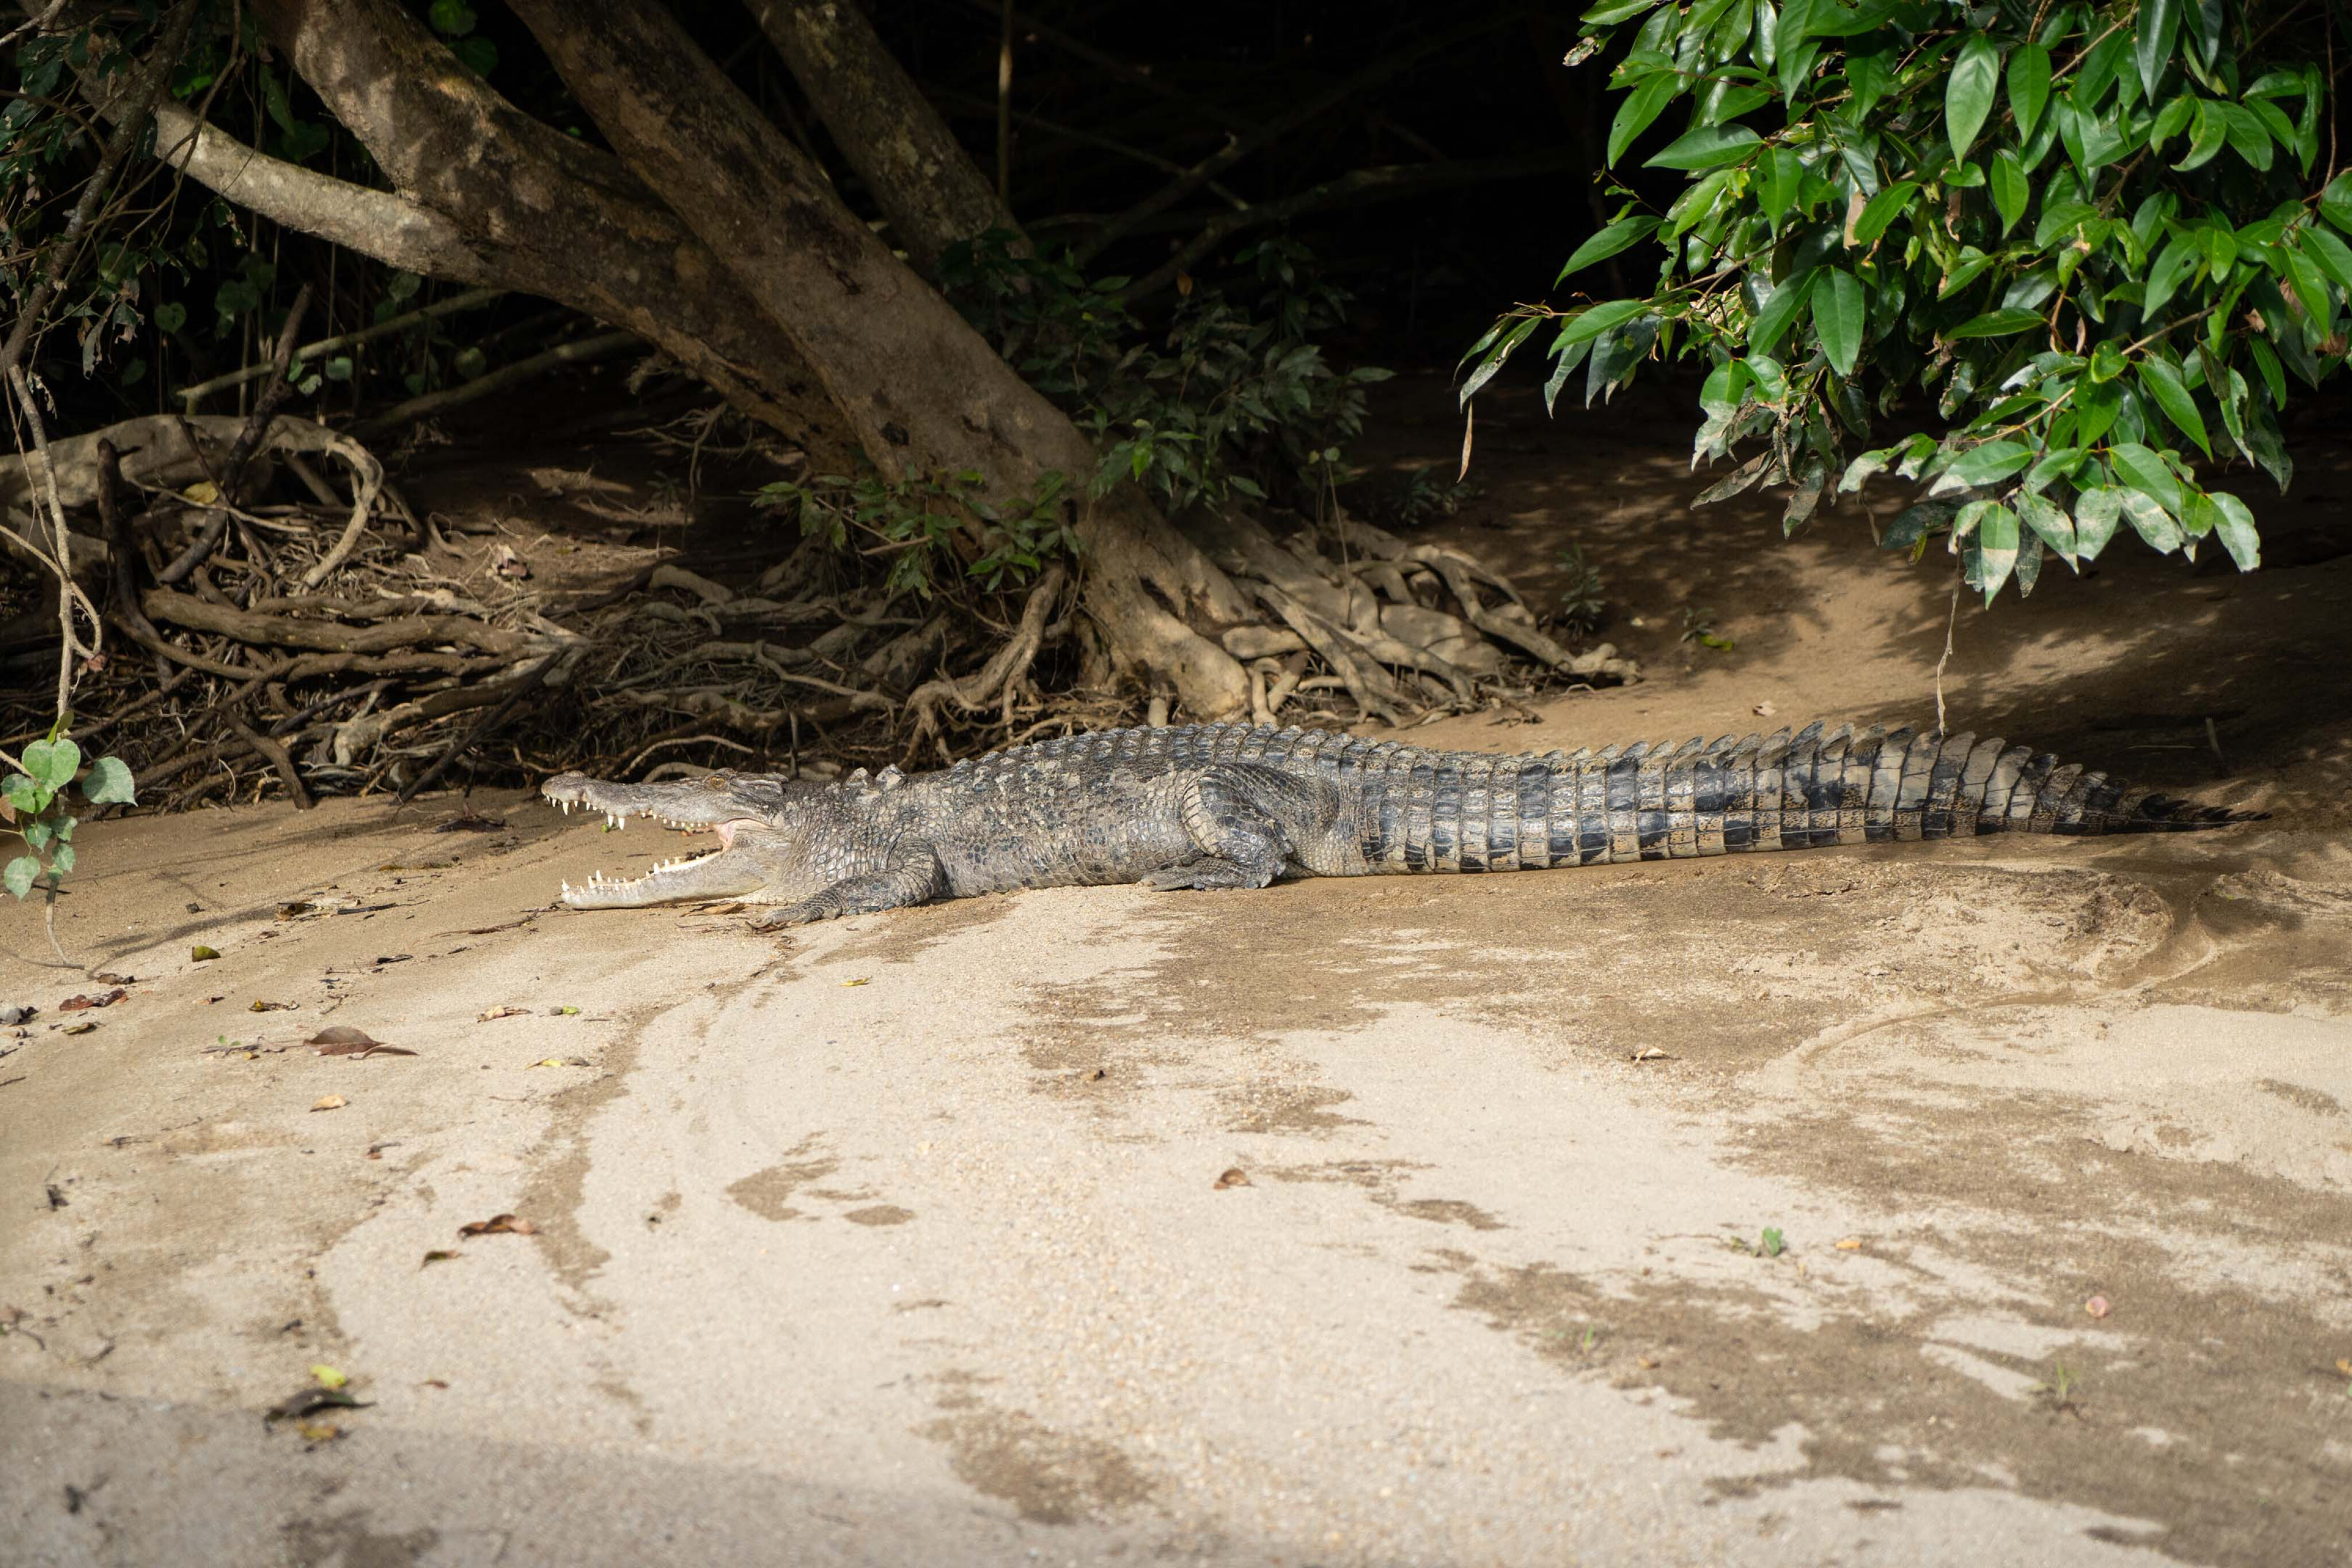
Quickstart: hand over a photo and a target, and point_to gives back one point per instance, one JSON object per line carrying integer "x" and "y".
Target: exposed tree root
{"x": 335, "y": 658}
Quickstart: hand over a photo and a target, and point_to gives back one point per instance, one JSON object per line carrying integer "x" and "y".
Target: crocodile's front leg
{"x": 911, "y": 876}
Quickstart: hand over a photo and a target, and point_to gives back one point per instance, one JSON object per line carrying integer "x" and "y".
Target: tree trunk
{"x": 911, "y": 162}
{"x": 922, "y": 390}
{"x": 708, "y": 232}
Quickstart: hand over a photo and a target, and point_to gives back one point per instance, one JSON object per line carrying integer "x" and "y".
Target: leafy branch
{"x": 2091, "y": 233}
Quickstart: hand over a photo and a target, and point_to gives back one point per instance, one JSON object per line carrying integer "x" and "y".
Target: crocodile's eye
{"x": 714, "y": 782}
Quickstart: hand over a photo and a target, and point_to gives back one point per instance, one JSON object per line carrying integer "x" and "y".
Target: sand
{"x": 1398, "y": 1221}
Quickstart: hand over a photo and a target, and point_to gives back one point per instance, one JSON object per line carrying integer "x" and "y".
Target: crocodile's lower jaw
{"x": 602, "y": 891}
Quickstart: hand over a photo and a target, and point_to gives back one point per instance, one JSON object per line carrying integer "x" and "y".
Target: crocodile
{"x": 1234, "y": 806}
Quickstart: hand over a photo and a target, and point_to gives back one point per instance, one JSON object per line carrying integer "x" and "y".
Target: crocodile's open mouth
{"x": 669, "y": 879}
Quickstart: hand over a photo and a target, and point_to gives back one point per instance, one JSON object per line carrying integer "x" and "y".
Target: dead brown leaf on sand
{"x": 342, "y": 1039}
{"x": 104, "y": 999}
{"x": 500, "y": 1225}
{"x": 261, "y": 1006}
{"x": 331, "y": 1102}
{"x": 502, "y": 1013}
{"x": 1234, "y": 1176}
{"x": 439, "y": 1257}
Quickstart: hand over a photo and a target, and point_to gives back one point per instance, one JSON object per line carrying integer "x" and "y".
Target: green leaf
{"x": 2205, "y": 136}
{"x": 18, "y": 877}
{"x": 2310, "y": 288}
{"x": 451, "y": 18}
{"x": 1641, "y": 106}
{"x": 2336, "y": 202}
{"x": 1968, "y": 95}
{"x": 2152, "y": 520}
{"x": 2248, "y": 136}
{"x": 2056, "y": 528}
{"x": 2332, "y": 256}
{"x": 2096, "y": 513}
{"x": 2180, "y": 254}
{"x": 2236, "y": 526}
{"x": 1881, "y": 210}
{"x": 1839, "y": 312}
{"x": 1782, "y": 177}
{"x": 2029, "y": 86}
{"x": 1992, "y": 460}
{"x": 1995, "y": 541}
{"x": 1617, "y": 237}
{"x": 61, "y": 860}
{"x": 2159, "y": 27}
{"x": 172, "y": 316}
{"x": 478, "y": 55}
{"x": 1966, "y": 269}
{"x": 2145, "y": 470}
{"x": 1589, "y": 324}
{"x": 1780, "y": 311}
{"x": 1610, "y": 11}
{"x": 2050, "y": 466}
{"x": 2170, "y": 122}
{"x": 1705, "y": 148}
{"x": 2163, "y": 383}
{"x": 109, "y": 782}
{"x": 2107, "y": 360}
{"x": 52, "y": 764}
{"x": 1995, "y": 324}
{"x": 2011, "y": 194}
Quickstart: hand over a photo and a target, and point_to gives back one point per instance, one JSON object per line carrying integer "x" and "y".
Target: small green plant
{"x": 931, "y": 526}
{"x": 1421, "y": 497}
{"x": 1770, "y": 1245}
{"x": 2060, "y": 1389}
{"x": 1236, "y": 399}
{"x": 1581, "y": 606}
{"x": 33, "y": 807}
{"x": 1698, "y": 626}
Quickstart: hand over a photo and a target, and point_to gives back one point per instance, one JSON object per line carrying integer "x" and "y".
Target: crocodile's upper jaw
{"x": 717, "y": 812}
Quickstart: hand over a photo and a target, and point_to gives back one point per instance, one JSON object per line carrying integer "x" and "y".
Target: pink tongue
{"x": 726, "y": 832}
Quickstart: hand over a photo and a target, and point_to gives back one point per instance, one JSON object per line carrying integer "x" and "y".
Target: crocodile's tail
{"x": 1458, "y": 812}
{"x": 1812, "y": 788}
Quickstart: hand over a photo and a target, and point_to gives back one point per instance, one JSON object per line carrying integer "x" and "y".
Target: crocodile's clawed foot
{"x": 1208, "y": 874}
{"x": 806, "y": 911}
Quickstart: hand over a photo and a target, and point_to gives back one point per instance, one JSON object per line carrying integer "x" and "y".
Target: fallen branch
{"x": 229, "y": 483}
{"x": 162, "y": 604}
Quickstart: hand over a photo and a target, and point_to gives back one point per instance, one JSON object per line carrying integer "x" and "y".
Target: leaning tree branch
{"x": 1112, "y": 66}
{"x": 919, "y": 174}
{"x": 389, "y": 227}
{"x": 190, "y": 396}
{"x": 1389, "y": 183}
{"x": 1391, "y": 64}
{"x": 584, "y": 350}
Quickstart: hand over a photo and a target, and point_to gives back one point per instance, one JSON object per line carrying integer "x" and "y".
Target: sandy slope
{"x": 905, "y": 1241}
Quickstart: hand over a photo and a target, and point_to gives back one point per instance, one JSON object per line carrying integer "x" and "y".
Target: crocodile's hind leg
{"x": 1233, "y": 815}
